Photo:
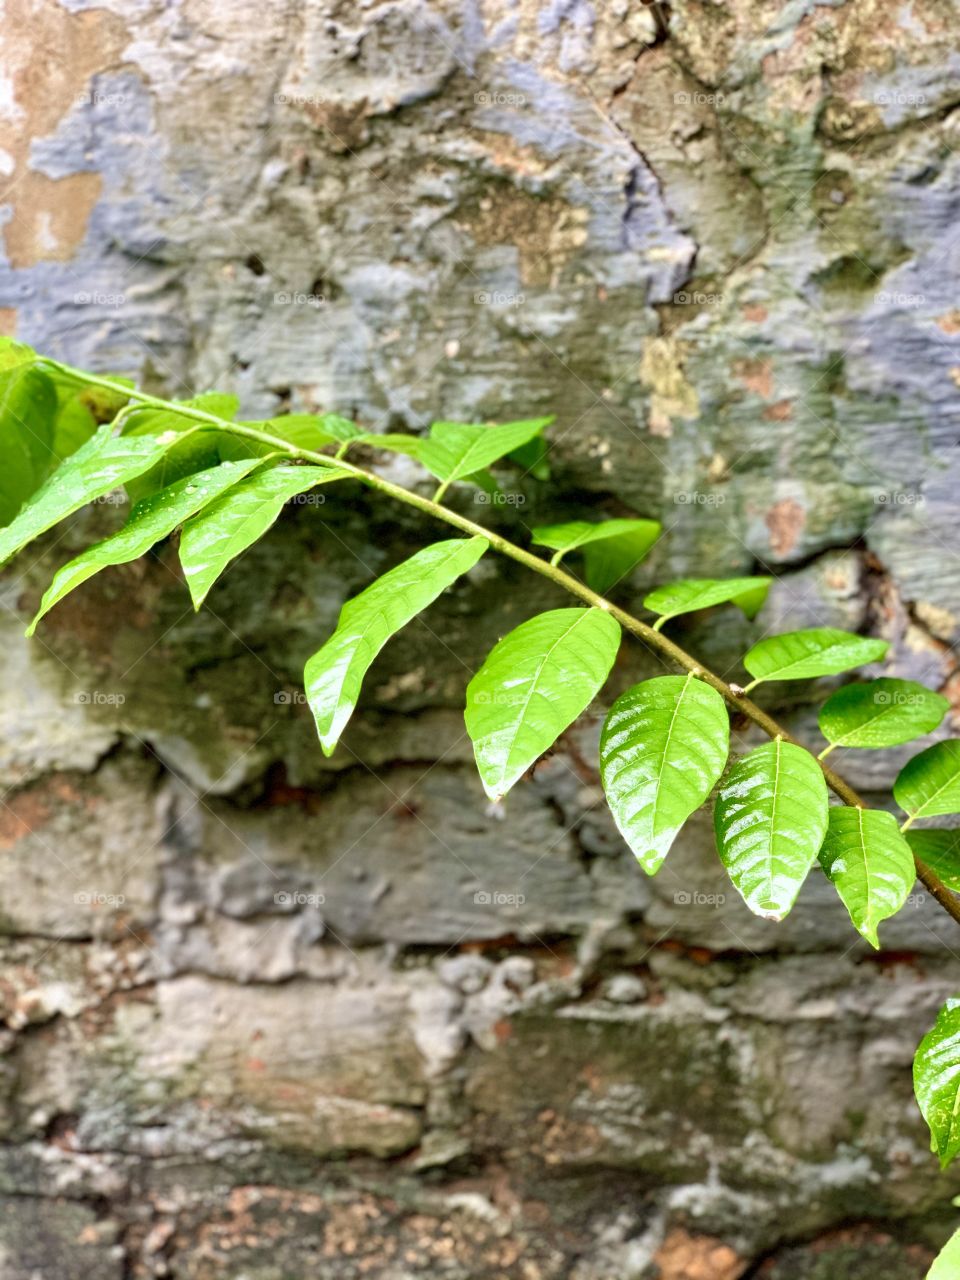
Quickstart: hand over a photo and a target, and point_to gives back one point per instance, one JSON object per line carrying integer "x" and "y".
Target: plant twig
{"x": 654, "y": 639}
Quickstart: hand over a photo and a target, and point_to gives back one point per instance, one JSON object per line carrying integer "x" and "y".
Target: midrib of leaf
{"x": 864, "y": 724}
{"x": 778, "y": 743}
{"x": 666, "y": 748}
{"x": 820, "y": 653}
{"x": 930, "y": 799}
{"x": 533, "y": 685}
{"x": 868, "y": 919}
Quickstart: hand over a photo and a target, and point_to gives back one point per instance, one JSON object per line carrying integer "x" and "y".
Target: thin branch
{"x": 654, "y": 639}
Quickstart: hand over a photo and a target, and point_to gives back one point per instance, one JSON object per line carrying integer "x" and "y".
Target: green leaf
{"x": 663, "y": 746}
{"x": 611, "y": 548}
{"x": 882, "y": 713}
{"x": 28, "y": 406}
{"x": 532, "y": 457}
{"x": 929, "y": 784}
{"x": 692, "y": 594}
{"x": 334, "y": 674}
{"x": 230, "y": 524}
{"x": 801, "y": 655}
{"x": 936, "y": 1082}
{"x": 202, "y": 447}
{"x": 455, "y": 450}
{"x": 150, "y": 520}
{"x": 940, "y": 850}
{"x": 770, "y": 819}
{"x": 533, "y": 685}
{"x": 97, "y": 467}
{"x": 870, "y": 864}
{"x": 946, "y": 1265}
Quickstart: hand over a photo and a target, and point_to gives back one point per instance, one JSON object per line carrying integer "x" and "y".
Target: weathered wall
{"x": 270, "y": 1016}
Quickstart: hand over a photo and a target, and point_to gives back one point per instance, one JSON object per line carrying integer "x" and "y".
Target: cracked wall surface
{"x": 267, "y": 1015}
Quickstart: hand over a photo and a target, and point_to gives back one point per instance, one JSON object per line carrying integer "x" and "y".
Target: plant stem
{"x": 654, "y": 639}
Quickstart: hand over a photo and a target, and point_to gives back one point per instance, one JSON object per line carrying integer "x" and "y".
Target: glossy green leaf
{"x": 691, "y": 594}
{"x": 801, "y": 655}
{"x": 233, "y": 522}
{"x": 533, "y": 685}
{"x": 928, "y": 786}
{"x": 81, "y": 409}
{"x": 664, "y": 744}
{"x": 28, "y": 407}
{"x": 334, "y": 674}
{"x": 936, "y": 1082}
{"x": 881, "y": 713}
{"x": 940, "y": 850}
{"x": 533, "y": 458}
{"x": 870, "y": 865}
{"x": 98, "y": 466}
{"x": 770, "y": 819}
{"x": 611, "y": 549}
{"x": 202, "y": 446}
{"x": 946, "y": 1265}
{"x": 455, "y": 450}
{"x": 150, "y": 520}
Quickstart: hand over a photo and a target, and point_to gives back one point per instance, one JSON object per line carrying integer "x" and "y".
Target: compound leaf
{"x": 610, "y": 549}
{"x": 230, "y": 524}
{"x": 870, "y": 865}
{"x": 929, "y": 784}
{"x": 98, "y": 466}
{"x": 533, "y": 685}
{"x": 150, "y": 520}
{"x": 881, "y": 713}
{"x": 691, "y": 594}
{"x": 940, "y": 850}
{"x": 770, "y": 819}
{"x": 936, "y": 1082}
{"x": 334, "y": 674}
{"x": 455, "y": 450}
{"x": 664, "y": 744}
{"x": 801, "y": 655}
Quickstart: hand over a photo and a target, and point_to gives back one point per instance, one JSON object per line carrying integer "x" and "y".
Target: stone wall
{"x": 269, "y": 1016}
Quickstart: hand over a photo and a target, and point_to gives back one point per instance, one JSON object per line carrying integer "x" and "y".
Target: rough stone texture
{"x": 267, "y": 1015}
